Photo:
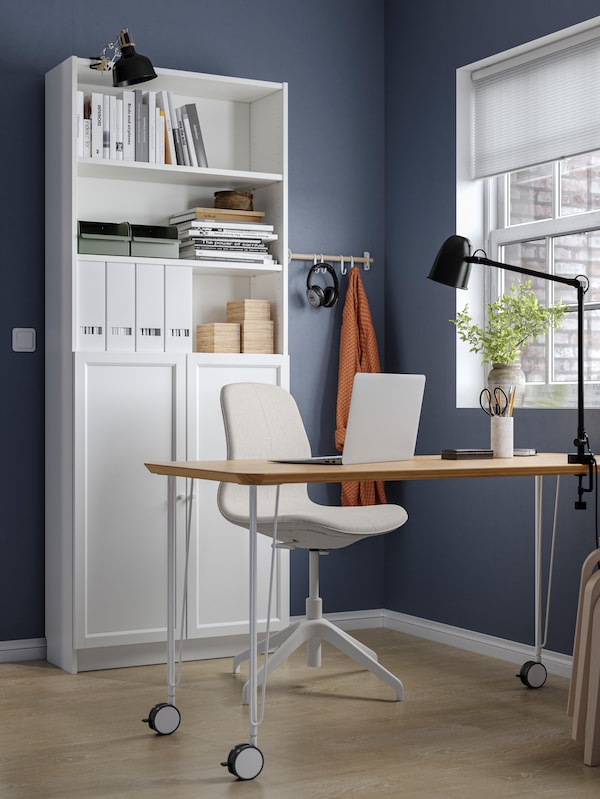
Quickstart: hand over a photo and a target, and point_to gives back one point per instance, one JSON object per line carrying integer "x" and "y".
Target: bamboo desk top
{"x": 421, "y": 467}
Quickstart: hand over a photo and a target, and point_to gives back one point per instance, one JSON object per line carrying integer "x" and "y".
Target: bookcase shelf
{"x": 219, "y": 179}
{"x": 199, "y": 268}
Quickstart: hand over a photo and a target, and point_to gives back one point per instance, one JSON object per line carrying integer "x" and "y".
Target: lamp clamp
{"x": 105, "y": 61}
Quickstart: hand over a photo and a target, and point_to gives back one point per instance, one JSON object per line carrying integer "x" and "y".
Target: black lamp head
{"x": 131, "y": 68}
{"x": 451, "y": 266}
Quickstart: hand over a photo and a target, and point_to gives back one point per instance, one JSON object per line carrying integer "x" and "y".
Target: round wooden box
{"x": 234, "y": 200}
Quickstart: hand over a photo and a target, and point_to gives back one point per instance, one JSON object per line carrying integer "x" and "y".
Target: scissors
{"x": 494, "y": 403}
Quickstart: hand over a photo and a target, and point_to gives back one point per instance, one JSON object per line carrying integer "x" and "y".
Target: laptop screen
{"x": 383, "y": 420}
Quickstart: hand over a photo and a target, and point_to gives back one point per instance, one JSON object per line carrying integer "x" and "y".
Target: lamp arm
{"x": 575, "y": 282}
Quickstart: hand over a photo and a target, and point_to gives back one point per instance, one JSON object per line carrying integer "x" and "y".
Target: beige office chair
{"x": 263, "y": 422}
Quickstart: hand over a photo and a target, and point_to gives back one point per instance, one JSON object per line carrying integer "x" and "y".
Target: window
{"x": 547, "y": 218}
{"x": 528, "y": 193}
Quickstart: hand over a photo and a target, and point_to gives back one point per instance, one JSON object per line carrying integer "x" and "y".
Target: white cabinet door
{"x": 218, "y": 569}
{"x": 127, "y": 411}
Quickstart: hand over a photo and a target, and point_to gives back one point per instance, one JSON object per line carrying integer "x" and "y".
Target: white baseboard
{"x": 22, "y": 649}
{"x": 479, "y": 643}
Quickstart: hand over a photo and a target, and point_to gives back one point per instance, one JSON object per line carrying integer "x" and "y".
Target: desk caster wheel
{"x": 245, "y": 761}
{"x": 163, "y": 718}
{"x": 533, "y": 674}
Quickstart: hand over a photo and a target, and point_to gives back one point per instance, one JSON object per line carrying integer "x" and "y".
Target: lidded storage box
{"x": 218, "y": 337}
{"x": 249, "y": 311}
{"x": 155, "y": 241}
{"x": 103, "y": 238}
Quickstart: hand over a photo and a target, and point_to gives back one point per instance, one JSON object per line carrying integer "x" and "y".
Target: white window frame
{"x": 476, "y": 205}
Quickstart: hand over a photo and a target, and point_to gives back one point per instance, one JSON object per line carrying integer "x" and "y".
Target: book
{"x": 141, "y": 127}
{"x": 96, "y": 113}
{"x": 149, "y": 100}
{"x": 196, "y": 134}
{"x": 128, "y": 98}
{"x": 217, "y": 244}
{"x": 160, "y": 136}
{"x": 466, "y": 454}
{"x": 119, "y": 129}
{"x": 187, "y": 129}
{"x": 225, "y": 241}
{"x": 224, "y": 255}
{"x": 182, "y": 139}
{"x": 223, "y": 214}
{"x": 162, "y": 102}
{"x": 175, "y": 129}
{"x": 87, "y": 138}
{"x": 112, "y": 126}
{"x": 106, "y": 126}
{"x": 79, "y": 117}
{"x": 233, "y": 230}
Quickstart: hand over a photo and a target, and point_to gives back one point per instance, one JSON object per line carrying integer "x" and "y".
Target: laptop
{"x": 383, "y": 420}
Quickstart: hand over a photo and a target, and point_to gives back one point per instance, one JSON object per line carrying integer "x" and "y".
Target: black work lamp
{"x": 128, "y": 67}
{"x": 452, "y": 266}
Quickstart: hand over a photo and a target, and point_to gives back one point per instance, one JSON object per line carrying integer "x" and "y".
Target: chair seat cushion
{"x": 309, "y": 525}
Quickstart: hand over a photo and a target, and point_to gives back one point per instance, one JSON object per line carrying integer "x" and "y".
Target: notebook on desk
{"x": 383, "y": 420}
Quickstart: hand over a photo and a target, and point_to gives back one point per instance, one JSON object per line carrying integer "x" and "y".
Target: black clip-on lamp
{"x": 128, "y": 67}
{"x": 452, "y": 267}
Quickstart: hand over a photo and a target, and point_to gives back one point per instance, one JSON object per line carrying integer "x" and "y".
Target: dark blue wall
{"x": 332, "y": 56}
{"x": 466, "y": 556}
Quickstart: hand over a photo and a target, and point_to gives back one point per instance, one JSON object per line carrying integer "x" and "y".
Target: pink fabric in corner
{"x": 358, "y": 353}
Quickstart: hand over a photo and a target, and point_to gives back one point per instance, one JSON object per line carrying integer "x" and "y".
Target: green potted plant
{"x": 514, "y": 320}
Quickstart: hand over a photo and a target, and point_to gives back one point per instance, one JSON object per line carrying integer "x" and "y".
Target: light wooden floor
{"x": 466, "y": 729}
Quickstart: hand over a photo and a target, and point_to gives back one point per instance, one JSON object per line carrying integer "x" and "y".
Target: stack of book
{"x": 136, "y": 125}
{"x": 223, "y": 235}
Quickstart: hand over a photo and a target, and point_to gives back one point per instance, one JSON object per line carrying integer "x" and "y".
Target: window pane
{"x": 530, "y": 194}
{"x": 580, "y": 184}
{"x": 530, "y": 255}
{"x": 577, "y": 254}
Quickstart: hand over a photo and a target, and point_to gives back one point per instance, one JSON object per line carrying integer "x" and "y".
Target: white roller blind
{"x": 538, "y": 109}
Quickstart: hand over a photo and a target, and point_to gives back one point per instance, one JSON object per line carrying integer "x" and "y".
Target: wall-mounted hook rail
{"x": 365, "y": 259}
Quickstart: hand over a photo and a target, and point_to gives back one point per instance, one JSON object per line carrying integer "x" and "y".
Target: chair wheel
{"x": 163, "y": 718}
{"x": 533, "y": 674}
{"x": 245, "y": 761}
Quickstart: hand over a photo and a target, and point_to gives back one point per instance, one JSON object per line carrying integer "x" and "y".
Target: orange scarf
{"x": 358, "y": 353}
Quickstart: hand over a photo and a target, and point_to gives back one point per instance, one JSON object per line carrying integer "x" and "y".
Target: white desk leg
{"x": 533, "y": 673}
{"x": 253, "y": 643}
{"x": 246, "y": 760}
{"x": 171, "y": 591}
{"x": 538, "y": 567}
{"x": 164, "y": 718}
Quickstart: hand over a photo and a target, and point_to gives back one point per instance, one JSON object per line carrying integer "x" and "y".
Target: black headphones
{"x": 317, "y": 296}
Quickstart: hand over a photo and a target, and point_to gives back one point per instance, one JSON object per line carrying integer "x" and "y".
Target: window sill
{"x": 560, "y": 395}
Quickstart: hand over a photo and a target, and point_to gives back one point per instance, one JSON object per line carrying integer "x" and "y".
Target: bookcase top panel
{"x": 219, "y": 87}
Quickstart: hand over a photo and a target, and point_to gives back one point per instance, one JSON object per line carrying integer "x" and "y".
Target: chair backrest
{"x": 262, "y": 421}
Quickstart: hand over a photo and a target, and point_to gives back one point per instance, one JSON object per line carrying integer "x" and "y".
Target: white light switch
{"x": 23, "y": 339}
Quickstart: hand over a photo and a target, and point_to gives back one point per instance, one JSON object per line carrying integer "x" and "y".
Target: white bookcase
{"x": 113, "y": 404}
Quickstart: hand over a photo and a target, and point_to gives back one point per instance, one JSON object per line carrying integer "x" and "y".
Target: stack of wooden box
{"x": 248, "y": 328}
{"x": 256, "y": 327}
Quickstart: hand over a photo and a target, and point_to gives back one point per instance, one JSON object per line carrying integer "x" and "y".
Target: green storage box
{"x": 103, "y": 238}
{"x": 154, "y": 241}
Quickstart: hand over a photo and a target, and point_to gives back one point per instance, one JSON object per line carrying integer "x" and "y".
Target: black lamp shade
{"x": 450, "y": 266}
{"x": 132, "y": 67}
